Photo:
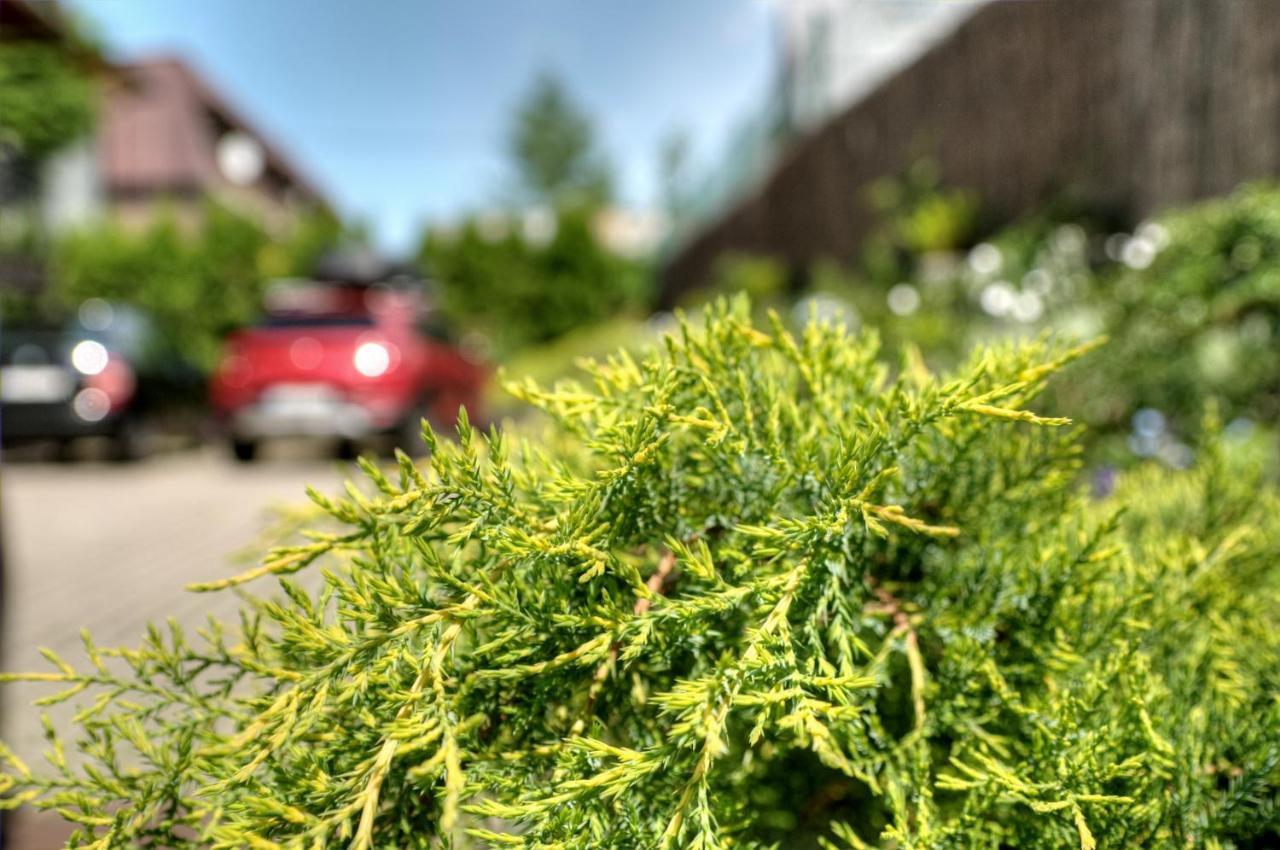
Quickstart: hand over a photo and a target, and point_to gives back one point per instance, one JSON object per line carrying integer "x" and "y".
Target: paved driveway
{"x": 110, "y": 547}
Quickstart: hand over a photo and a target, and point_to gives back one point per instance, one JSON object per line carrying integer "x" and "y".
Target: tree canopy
{"x": 553, "y": 148}
{"x": 46, "y": 101}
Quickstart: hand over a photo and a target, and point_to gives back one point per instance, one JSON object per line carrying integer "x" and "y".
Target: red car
{"x": 348, "y": 362}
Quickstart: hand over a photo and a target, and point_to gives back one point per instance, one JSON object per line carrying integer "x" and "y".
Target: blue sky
{"x": 398, "y": 109}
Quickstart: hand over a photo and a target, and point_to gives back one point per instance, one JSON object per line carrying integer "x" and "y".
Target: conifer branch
{"x": 752, "y": 589}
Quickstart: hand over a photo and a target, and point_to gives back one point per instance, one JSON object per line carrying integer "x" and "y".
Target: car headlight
{"x": 372, "y": 359}
{"x": 89, "y": 357}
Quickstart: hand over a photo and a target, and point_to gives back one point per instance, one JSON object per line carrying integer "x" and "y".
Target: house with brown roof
{"x": 167, "y": 137}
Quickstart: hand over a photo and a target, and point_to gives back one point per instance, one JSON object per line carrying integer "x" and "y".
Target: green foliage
{"x": 762, "y": 279}
{"x": 310, "y": 237}
{"x": 521, "y": 291}
{"x": 1193, "y": 309}
{"x": 1190, "y": 302}
{"x": 754, "y": 589}
{"x": 45, "y": 100}
{"x": 918, "y": 216}
{"x": 560, "y": 358}
{"x": 527, "y": 278}
{"x": 196, "y": 283}
{"x": 553, "y": 147}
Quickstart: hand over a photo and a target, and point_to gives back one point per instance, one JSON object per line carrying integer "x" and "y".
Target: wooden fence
{"x": 1133, "y": 105}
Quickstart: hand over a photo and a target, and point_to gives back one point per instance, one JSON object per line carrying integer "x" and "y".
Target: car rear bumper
{"x": 308, "y": 411}
{"x": 50, "y": 421}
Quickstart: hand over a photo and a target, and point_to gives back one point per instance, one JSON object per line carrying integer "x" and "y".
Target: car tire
{"x": 346, "y": 449}
{"x": 128, "y": 442}
{"x": 408, "y": 437}
{"x": 244, "y": 451}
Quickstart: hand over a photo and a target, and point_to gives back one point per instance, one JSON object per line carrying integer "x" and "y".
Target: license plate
{"x": 300, "y": 401}
{"x": 305, "y": 394}
{"x": 35, "y": 384}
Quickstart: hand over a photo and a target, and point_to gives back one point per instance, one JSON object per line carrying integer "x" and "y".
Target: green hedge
{"x": 521, "y": 291}
{"x": 196, "y": 282}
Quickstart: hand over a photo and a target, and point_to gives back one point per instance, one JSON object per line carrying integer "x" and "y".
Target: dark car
{"x": 106, "y": 373}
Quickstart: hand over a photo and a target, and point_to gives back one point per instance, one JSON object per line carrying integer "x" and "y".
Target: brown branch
{"x": 892, "y": 605}
{"x": 657, "y": 583}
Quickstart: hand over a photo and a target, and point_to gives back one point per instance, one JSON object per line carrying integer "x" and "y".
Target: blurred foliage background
{"x": 197, "y": 282}
{"x": 536, "y": 279}
{"x": 1189, "y": 300}
{"x": 521, "y": 287}
{"x": 46, "y": 99}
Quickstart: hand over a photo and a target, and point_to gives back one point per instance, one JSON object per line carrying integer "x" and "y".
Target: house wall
{"x": 1134, "y": 105}
{"x": 71, "y": 192}
{"x": 138, "y": 213}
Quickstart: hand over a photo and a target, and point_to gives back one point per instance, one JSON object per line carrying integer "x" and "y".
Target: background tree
{"x": 525, "y": 280}
{"x": 521, "y": 292}
{"x": 196, "y": 284}
{"x": 553, "y": 149}
{"x": 46, "y": 101}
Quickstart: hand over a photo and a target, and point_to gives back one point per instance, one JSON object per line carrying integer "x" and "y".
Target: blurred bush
{"x": 1190, "y": 302}
{"x": 920, "y": 218}
{"x": 196, "y": 282}
{"x": 46, "y": 101}
{"x": 530, "y": 280}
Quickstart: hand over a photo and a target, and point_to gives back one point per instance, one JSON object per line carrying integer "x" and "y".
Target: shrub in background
{"x": 753, "y": 589}
{"x": 1190, "y": 302}
{"x": 196, "y": 282}
{"x": 46, "y": 101}
{"x": 919, "y": 217}
{"x": 1192, "y": 306}
{"x": 521, "y": 291}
